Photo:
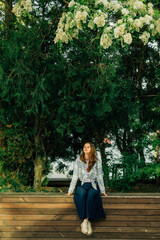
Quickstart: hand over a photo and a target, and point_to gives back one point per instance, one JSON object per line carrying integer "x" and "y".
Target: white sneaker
{"x": 89, "y": 228}
{"x": 84, "y": 226}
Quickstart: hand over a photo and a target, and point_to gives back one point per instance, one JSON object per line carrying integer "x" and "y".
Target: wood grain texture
{"x": 50, "y": 216}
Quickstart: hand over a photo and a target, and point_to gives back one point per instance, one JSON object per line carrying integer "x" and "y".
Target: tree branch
{"x": 65, "y": 1}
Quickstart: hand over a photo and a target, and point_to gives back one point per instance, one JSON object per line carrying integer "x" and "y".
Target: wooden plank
{"x": 155, "y": 236}
{"x": 40, "y": 217}
{"x": 64, "y": 199}
{"x": 132, "y": 218}
{"x": 140, "y": 236}
{"x": 154, "y": 212}
{"x": 32, "y": 211}
{"x": 74, "y": 235}
{"x": 6, "y": 217}
{"x": 58, "y": 194}
{"x": 75, "y": 217}
{"x": 72, "y": 206}
{"x": 50, "y": 234}
{"x": 77, "y": 229}
{"x": 131, "y": 206}
{"x": 155, "y": 224}
{"x": 37, "y": 205}
{"x": 154, "y": 200}
{"x": 132, "y": 212}
{"x": 39, "y": 229}
{"x": 29, "y": 234}
{"x": 81, "y": 236}
{"x": 129, "y": 200}
{"x": 91, "y": 237}
{"x": 50, "y": 223}
{"x": 38, "y": 211}
{"x": 36, "y": 200}
{"x": 127, "y": 229}
{"x": 61, "y": 195}
{"x": 76, "y": 223}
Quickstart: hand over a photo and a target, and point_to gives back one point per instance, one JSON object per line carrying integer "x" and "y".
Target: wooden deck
{"x": 49, "y": 216}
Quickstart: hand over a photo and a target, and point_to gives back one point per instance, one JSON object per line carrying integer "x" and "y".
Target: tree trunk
{"x": 38, "y": 171}
{"x": 142, "y": 158}
{"x": 40, "y": 156}
{"x": 8, "y": 13}
{"x": 2, "y": 138}
{"x": 104, "y": 161}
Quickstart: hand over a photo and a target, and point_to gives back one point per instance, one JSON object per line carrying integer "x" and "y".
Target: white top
{"x": 95, "y": 175}
{"x": 87, "y": 173}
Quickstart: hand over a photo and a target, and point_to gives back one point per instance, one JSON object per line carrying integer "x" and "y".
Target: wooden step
{"x": 39, "y": 216}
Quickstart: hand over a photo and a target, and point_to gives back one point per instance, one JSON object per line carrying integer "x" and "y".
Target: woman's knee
{"x": 80, "y": 191}
{"x": 92, "y": 193}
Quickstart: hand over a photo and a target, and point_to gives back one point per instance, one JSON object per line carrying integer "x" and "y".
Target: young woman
{"x": 88, "y": 183}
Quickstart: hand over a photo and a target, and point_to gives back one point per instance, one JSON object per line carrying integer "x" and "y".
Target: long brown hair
{"x": 92, "y": 156}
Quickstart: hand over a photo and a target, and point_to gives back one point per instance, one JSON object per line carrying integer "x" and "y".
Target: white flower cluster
{"x": 80, "y": 16}
{"x": 105, "y": 3}
{"x": 21, "y": 6}
{"x": 61, "y": 35}
{"x": 71, "y": 4}
{"x": 70, "y": 23}
{"x": 139, "y": 6}
{"x": 125, "y": 11}
{"x": 119, "y": 31}
{"x": 140, "y": 22}
{"x": 63, "y": 27}
{"x": 105, "y": 41}
{"x": 145, "y": 37}
{"x": 99, "y": 18}
{"x": 135, "y": 16}
{"x": 137, "y": 24}
{"x": 2, "y": 6}
{"x": 127, "y": 38}
{"x": 91, "y": 24}
{"x": 115, "y": 6}
{"x": 150, "y": 9}
{"x": 157, "y": 27}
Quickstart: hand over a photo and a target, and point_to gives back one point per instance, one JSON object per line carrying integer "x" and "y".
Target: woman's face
{"x": 87, "y": 148}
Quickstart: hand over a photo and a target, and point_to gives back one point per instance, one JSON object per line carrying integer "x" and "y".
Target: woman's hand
{"x": 104, "y": 194}
{"x": 68, "y": 194}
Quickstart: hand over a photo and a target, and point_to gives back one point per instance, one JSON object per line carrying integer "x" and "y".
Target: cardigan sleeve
{"x": 100, "y": 176}
{"x": 74, "y": 177}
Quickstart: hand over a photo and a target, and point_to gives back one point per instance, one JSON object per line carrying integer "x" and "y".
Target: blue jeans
{"x": 88, "y": 201}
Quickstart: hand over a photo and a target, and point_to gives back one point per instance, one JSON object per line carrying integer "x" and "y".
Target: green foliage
{"x": 125, "y": 172}
{"x": 16, "y": 158}
{"x": 30, "y": 80}
{"x": 149, "y": 172}
{"x": 83, "y": 93}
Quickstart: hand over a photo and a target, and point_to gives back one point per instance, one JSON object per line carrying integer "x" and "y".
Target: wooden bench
{"x": 50, "y": 216}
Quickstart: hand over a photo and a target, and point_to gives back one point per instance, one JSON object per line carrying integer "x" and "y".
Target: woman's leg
{"x": 91, "y": 202}
{"x": 94, "y": 207}
{"x": 80, "y": 201}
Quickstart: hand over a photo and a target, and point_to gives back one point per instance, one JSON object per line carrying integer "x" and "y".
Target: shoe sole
{"x": 88, "y": 234}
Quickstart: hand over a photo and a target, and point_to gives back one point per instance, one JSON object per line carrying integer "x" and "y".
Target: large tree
{"x": 31, "y": 76}
{"x": 106, "y": 81}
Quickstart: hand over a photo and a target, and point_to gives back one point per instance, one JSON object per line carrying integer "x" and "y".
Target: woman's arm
{"x": 74, "y": 178}
{"x": 100, "y": 176}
